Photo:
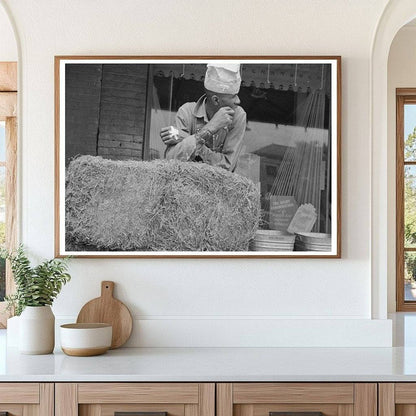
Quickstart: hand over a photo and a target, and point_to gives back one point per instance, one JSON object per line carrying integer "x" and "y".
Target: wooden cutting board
{"x": 107, "y": 309}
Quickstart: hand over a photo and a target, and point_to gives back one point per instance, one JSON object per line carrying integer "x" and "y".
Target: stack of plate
{"x": 272, "y": 240}
{"x": 313, "y": 242}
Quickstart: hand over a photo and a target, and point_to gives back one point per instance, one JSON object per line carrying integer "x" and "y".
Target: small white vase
{"x": 37, "y": 330}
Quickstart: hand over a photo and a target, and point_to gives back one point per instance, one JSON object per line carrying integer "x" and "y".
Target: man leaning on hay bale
{"x": 210, "y": 130}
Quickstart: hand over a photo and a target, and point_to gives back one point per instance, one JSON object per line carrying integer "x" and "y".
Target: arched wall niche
{"x": 396, "y": 14}
{"x": 401, "y": 73}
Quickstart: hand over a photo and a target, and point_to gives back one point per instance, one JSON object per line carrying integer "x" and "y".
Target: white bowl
{"x": 83, "y": 340}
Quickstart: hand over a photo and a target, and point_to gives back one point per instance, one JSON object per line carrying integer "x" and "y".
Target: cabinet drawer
{"x": 296, "y": 399}
{"x": 107, "y": 399}
{"x": 292, "y": 393}
{"x": 19, "y": 393}
{"x": 397, "y": 399}
{"x": 138, "y": 393}
{"x": 21, "y": 399}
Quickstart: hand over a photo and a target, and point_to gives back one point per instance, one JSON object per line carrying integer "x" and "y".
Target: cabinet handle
{"x": 296, "y": 414}
{"x": 138, "y": 414}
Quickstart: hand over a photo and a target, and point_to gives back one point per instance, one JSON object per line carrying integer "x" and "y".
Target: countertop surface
{"x": 212, "y": 364}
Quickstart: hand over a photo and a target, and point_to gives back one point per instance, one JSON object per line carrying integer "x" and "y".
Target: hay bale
{"x": 158, "y": 206}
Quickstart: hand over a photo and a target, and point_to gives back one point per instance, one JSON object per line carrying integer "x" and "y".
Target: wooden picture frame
{"x": 281, "y": 170}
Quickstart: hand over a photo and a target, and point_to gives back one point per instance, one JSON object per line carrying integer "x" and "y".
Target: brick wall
{"x": 105, "y": 110}
{"x": 82, "y": 104}
{"x": 122, "y": 113}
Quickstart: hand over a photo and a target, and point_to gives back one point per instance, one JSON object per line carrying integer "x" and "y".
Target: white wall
{"x": 401, "y": 74}
{"x": 179, "y": 302}
{"x": 8, "y": 47}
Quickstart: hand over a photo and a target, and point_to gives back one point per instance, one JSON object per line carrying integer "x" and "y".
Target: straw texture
{"x": 158, "y": 206}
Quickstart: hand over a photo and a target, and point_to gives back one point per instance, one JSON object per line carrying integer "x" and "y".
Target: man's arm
{"x": 185, "y": 145}
{"x": 233, "y": 143}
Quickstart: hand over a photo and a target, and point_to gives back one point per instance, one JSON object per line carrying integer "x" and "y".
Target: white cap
{"x": 223, "y": 78}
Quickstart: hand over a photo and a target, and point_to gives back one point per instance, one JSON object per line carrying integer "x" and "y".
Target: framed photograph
{"x": 198, "y": 156}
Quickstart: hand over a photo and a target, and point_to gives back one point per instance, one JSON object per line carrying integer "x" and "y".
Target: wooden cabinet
{"x": 105, "y": 399}
{"x": 208, "y": 399}
{"x": 263, "y": 399}
{"x": 397, "y": 399}
{"x": 27, "y": 399}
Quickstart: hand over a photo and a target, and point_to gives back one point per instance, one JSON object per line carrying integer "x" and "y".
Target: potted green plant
{"x": 36, "y": 289}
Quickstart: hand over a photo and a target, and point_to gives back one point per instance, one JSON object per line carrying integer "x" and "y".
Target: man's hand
{"x": 170, "y": 135}
{"x": 222, "y": 118}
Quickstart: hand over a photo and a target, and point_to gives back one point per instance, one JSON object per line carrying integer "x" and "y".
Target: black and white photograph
{"x": 198, "y": 157}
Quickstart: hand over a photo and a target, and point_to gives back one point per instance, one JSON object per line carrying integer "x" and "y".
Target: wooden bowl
{"x": 84, "y": 340}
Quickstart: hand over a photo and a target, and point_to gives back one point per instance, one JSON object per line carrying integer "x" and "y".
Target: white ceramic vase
{"x": 37, "y": 330}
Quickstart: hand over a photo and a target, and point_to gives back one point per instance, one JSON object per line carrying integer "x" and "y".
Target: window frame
{"x": 403, "y": 96}
{"x": 8, "y": 113}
